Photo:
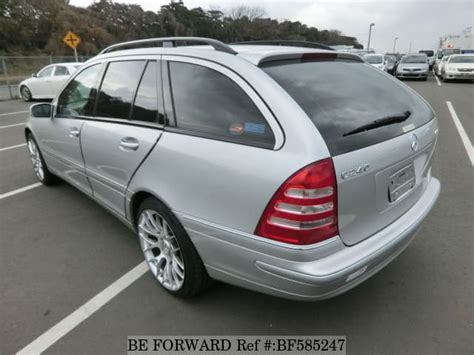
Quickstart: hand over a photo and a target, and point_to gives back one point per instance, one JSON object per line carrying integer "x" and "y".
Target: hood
{"x": 460, "y": 65}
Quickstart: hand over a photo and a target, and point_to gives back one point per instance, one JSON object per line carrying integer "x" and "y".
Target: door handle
{"x": 74, "y": 133}
{"x": 129, "y": 143}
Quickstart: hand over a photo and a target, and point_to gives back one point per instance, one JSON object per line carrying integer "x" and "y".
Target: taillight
{"x": 304, "y": 209}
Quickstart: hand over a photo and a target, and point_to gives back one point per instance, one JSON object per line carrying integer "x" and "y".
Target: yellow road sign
{"x": 71, "y": 39}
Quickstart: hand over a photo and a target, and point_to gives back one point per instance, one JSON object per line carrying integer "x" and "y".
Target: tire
{"x": 25, "y": 93}
{"x": 168, "y": 251}
{"x": 39, "y": 166}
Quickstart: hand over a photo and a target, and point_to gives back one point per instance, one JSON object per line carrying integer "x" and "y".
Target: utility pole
{"x": 394, "y": 44}
{"x": 370, "y": 33}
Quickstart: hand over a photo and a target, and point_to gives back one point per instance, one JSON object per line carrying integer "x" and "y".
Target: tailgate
{"x": 379, "y": 183}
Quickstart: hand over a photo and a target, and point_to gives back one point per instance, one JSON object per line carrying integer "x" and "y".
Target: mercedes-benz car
{"x": 296, "y": 172}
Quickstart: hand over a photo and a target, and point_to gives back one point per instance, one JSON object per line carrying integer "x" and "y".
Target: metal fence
{"x": 14, "y": 69}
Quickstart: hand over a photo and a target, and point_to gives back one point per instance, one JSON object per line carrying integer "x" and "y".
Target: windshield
{"x": 373, "y": 59}
{"x": 462, "y": 59}
{"x": 428, "y": 53}
{"x": 391, "y": 59}
{"x": 414, "y": 59}
{"x": 340, "y": 96}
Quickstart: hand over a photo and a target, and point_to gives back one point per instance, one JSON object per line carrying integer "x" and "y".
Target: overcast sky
{"x": 418, "y": 21}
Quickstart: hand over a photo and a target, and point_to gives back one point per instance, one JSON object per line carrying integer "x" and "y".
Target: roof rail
{"x": 290, "y": 43}
{"x": 171, "y": 42}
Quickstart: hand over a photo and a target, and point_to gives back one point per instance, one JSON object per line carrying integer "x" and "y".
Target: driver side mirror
{"x": 42, "y": 110}
{"x": 34, "y": 75}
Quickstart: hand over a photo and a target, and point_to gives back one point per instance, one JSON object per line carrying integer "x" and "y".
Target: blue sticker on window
{"x": 254, "y": 128}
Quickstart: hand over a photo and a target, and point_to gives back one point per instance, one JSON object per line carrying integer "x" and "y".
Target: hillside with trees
{"x": 37, "y": 27}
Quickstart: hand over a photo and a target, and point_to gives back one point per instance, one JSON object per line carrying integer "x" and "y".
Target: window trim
{"x": 236, "y": 79}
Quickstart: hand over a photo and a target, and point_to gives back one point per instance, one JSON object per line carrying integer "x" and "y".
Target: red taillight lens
{"x": 304, "y": 209}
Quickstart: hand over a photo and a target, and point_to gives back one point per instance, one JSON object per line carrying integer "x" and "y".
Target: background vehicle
{"x": 413, "y": 66}
{"x": 438, "y": 67}
{"x": 431, "y": 57}
{"x": 46, "y": 83}
{"x": 291, "y": 171}
{"x": 376, "y": 60}
{"x": 458, "y": 67}
{"x": 391, "y": 62}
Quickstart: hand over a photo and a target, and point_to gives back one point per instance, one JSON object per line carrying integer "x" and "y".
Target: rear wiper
{"x": 380, "y": 123}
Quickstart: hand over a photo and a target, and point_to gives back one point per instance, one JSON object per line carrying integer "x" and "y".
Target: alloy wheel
{"x": 35, "y": 157}
{"x": 161, "y": 250}
{"x": 25, "y": 93}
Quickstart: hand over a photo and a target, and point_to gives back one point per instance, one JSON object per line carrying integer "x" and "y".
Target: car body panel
{"x": 109, "y": 162}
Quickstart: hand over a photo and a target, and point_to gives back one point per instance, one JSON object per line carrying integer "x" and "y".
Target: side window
{"x": 208, "y": 102}
{"x": 145, "y": 107}
{"x": 45, "y": 72}
{"x": 61, "y": 70}
{"x": 118, "y": 88}
{"x": 77, "y": 98}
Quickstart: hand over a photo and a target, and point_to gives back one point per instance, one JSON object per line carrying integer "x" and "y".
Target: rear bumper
{"x": 304, "y": 273}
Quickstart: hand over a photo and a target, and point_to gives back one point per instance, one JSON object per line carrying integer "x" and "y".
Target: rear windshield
{"x": 414, "y": 59}
{"x": 462, "y": 59}
{"x": 340, "y": 96}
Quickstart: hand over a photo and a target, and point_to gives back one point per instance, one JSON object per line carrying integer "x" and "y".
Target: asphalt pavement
{"x": 59, "y": 249}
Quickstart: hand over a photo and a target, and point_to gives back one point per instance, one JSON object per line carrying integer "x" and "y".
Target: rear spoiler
{"x": 311, "y": 56}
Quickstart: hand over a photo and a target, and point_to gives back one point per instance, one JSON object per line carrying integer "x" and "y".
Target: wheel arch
{"x": 137, "y": 199}
{"x": 29, "y": 88}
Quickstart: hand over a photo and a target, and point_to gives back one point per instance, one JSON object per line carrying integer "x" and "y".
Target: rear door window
{"x": 60, "y": 71}
{"x": 118, "y": 89}
{"x": 210, "y": 104}
{"x": 145, "y": 107}
{"x": 339, "y": 96}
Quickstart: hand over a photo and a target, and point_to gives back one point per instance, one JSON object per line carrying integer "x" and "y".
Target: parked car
{"x": 376, "y": 60}
{"x": 413, "y": 66}
{"x": 291, "y": 171}
{"x": 46, "y": 83}
{"x": 438, "y": 67}
{"x": 458, "y": 67}
{"x": 430, "y": 54}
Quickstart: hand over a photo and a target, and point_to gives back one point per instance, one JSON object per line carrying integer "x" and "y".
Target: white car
{"x": 376, "y": 60}
{"x": 458, "y": 66}
{"x": 47, "y": 82}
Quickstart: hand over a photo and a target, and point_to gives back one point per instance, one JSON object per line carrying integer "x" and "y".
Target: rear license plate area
{"x": 401, "y": 182}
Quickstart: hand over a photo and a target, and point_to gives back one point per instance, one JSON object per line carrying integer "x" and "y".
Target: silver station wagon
{"x": 295, "y": 172}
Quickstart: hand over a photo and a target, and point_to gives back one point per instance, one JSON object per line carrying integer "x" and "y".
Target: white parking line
{"x": 12, "y": 147}
{"x": 55, "y": 333}
{"x": 12, "y": 113}
{"x": 20, "y": 190}
{"x": 13, "y": 125}
{"x": 464, "y": 137}
{"x": 437, "y": 80}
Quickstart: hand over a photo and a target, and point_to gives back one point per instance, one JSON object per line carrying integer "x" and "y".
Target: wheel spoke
{"x": 178, "y": 269}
